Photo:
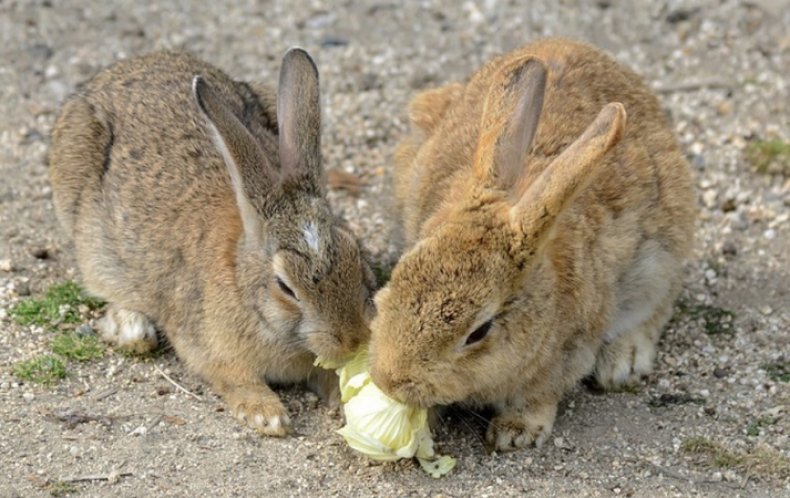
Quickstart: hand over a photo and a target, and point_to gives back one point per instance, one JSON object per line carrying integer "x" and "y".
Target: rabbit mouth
{"x": 412, "y": 393}
{"x": 416, "y": 396}
{"x": 326, "y": 345}
{"x": 409, "y": 394}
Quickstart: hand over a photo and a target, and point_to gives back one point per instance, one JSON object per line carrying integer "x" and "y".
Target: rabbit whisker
{"x": 487, "y": 421}
{"x": 473, "y": 430}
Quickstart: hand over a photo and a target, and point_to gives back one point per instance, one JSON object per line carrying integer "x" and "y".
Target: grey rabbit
{"x": 197, "y": 206}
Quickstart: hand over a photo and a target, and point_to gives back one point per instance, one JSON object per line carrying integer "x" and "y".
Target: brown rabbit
{"x": 197, "y": 209}
{"x": 546, "y": 238}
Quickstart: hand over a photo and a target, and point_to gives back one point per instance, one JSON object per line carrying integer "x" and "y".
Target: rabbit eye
{"x": 479, "y": 333}
{"x": 287, "y": 290}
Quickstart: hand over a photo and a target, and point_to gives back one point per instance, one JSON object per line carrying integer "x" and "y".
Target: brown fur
{"x": 571, "y": 242}
{"x": 165, "y": 234}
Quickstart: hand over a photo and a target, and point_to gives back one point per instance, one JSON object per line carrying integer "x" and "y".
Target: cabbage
{"x": 381, "y": 427}
{"x": 353, "y": 375}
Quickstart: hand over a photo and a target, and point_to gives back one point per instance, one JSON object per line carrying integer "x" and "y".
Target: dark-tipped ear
{"x": 557, "y": 186}
{"x": 299, "y": 118}
{"x": 251, "y": 173}
{"x": 510, "y": 119}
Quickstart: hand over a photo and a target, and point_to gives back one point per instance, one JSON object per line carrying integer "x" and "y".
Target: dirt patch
{"x": 115, "y": 426}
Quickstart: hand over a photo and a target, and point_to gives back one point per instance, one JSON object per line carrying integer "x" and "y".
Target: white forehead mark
{"x": 278, "y": 265}
{"x": 311, "y": 236}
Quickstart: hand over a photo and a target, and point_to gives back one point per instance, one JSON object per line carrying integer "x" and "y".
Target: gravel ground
{"x": 721, "y": 68}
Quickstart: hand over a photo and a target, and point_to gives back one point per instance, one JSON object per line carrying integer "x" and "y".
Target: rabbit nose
{"x": 382, "y": 378}
{"x": 356, "y": 334}
{"x": 356, "y": 338}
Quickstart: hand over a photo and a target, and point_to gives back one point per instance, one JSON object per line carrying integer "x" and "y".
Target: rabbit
{"x": 545, "y": 239}
{"x": 197, "y": 207}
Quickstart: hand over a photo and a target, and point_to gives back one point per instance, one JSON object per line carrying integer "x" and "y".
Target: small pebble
{"x": 730, "y": 475}
{"x": 709, "y": 198}
{"x": 85, "y": 330}
{"x": 729, "y": 248}
{"x": 51, "y": 71}
{"x": 28, "y": 396}
{"x": 333, "y": 41}
{"x": 724, "y": 108}
{"x": 139, "y": 431}
{"x": 729, "y": 205}
{"x": 23, "y": 288}
{"x": 40, "y": 253}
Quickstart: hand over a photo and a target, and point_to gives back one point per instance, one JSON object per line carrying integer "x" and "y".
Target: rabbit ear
{"x": 570, "y": 173}
{"x": 299, "y": 118}
{"x": 510, "y": 118}
{"x": 251, "y": 173}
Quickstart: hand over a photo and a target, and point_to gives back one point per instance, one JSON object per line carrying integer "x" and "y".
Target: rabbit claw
{"x": 513, "y": 430}
{"x": 625, "y": 361}
{"x": 266, "y": 417}
{"x": 259, "y": 408}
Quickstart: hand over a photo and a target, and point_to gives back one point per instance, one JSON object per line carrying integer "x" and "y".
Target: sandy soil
{"x": 721, "y": 68}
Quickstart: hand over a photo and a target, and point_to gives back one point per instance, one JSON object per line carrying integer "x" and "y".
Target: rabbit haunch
{"x": 196, "y": 205}
{"x": 545, "y": 238}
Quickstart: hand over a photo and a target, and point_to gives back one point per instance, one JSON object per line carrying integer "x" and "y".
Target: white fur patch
{"x": 135, "y": 327}
{"x": 128, "y": 329}
{"x": 311, "y": 236}
{"x": 275, "y": 423}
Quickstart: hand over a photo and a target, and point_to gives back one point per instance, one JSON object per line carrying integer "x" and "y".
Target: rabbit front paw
{"x": 626, "y": 360}
{"x": 517, "y": 428}
{"x": 324, "y": 383}
{"x": 129, "y": 330}
{"x": 260, "y": 409}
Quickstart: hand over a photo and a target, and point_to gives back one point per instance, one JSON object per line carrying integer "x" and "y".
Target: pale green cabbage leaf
{"x": 382, "y": 428}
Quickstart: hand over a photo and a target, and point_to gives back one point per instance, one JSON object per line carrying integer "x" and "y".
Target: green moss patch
{"x": 753, "y": 429}
{"x": 60, "y": 305}
{"x": 61, "y": 488}
{"x": 77, "y": 347}
{"x": 61, "y": 308}
{"x": 769, "y": 157}
{"x": 45, "y": 369}
{"x": 762, "y": 461}
{"x": 714, "y": 320}
{"x": 779, "y": 371}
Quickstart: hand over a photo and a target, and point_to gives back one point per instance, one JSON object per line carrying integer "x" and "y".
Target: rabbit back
{"x": 139, "y": 185}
